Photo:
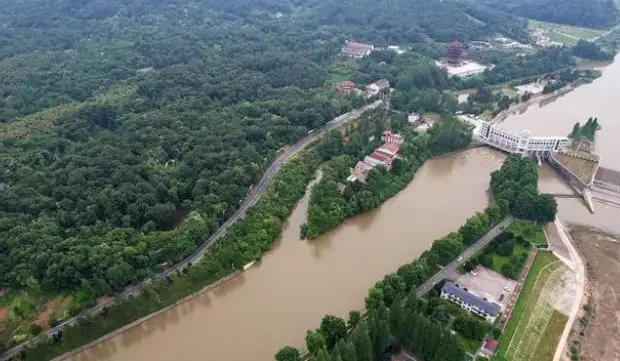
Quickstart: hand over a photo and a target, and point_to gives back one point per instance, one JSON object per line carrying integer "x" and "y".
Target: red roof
{"x": 357, "y": 46}
{"x": 490, "y": 345}
{"x": 380, "y": 157}
{"x": 390, "y": 147}
{"x": 346, "y": 139}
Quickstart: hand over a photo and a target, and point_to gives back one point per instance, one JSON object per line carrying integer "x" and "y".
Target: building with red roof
{"x": 488, "y": 348}
{"x": 356, "y": 50}
{"x": 346, "y": 87}
{"x": 390, "y": 137}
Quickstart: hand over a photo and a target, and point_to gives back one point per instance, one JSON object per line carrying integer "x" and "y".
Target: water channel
{"x": 274, "y": 302}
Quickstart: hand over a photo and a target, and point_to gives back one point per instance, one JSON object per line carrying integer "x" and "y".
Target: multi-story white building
{"x": 471, "y": 302}
{"x": 523, "y": 143}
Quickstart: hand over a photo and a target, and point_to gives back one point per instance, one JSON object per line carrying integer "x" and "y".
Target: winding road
{"x": 449, "y": 271}
{"x": 253, "y": 196}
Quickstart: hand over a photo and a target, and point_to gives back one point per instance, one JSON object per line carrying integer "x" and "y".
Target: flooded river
{"x": 274, "y": 302}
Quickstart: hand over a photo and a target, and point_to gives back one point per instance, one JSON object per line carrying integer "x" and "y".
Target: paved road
{"x": 450, "y": 269}
{"x": 253, "y": 196}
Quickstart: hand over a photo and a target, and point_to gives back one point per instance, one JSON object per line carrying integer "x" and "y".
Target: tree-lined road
{"x": 450, "y": 269}
{"x": 253, "y": 196}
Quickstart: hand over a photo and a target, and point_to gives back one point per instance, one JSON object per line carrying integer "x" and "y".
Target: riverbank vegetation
{"x": 330, "y": 206}
{"x": 408, "y": 322}
{"x": 589, "y": 50}
{"x": 586, "y": 131}
{"x": 245, "y": 241}
{"x": 517, "y": 183}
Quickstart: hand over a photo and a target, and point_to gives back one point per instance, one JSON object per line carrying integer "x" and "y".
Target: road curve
{"x": 253, "y": 196}
{"x": 450, "y": 269}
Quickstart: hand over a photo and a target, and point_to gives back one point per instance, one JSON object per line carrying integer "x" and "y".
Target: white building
{"x": 465, "y": 70}
{"x": 523, "y": 143}
{"x": 389, "y": 137}
{"x": 471, "y": 302}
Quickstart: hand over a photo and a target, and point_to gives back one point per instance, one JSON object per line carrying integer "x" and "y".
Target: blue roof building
{"x": 471, "y": 302}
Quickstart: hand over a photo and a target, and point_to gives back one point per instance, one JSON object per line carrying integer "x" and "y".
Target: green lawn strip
{"x": 527, "y": 299}
{"x": 528, "y": 230}
{"x": 582, "y": 33}
{"x": 499, "y": 261}
{"x": 562, "y": 38}
{"x": 467, "y": 345}
{"x": 549, "y": 342}
{"x": 340, "y": 71}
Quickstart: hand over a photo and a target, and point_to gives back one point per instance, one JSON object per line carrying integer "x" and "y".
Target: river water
{"x": 274, "y": 302}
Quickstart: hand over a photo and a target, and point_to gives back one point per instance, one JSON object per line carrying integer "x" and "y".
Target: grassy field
{"x": 548, "y": 343}
{"x": 532, "y": 232}
{"x": 500, "y": 261}
{"x": 532, "y": 318}
{"x": 566, "y": 34}
{"x": 340, "y": 71}
{"x": 467, "y": 345}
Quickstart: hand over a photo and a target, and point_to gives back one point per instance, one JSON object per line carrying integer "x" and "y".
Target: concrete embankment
{"x": 144, "y": 319}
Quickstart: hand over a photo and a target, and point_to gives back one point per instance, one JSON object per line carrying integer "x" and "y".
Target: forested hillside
{"x": 133, "y": 128}
{"x": 589, "y": 13}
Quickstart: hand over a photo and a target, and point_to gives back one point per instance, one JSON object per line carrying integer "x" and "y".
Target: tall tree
{"x": 334, "y": 329}
{"x": 397, "y": 319}
{"x": 315, "y": 341}
{"x": 362, "y": 343}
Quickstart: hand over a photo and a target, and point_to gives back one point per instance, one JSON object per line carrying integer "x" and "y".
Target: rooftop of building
{"x": 358, "y": 46}
{"x": 389, "y": 148}
{"x": 377, "y": 155}
{"x": 490, "y": 308}
{"x": 490, "y": 345}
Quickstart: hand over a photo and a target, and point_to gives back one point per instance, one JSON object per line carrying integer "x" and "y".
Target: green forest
{"x": 589, "y": 13}
{"x": 517, "y": 183}
{"x": 130, "y": 131}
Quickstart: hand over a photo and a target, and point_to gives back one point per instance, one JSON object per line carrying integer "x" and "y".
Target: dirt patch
{"x": 3, "y": 312}
{"x": 600, "y": 340}
{"x": 43, "y": 318}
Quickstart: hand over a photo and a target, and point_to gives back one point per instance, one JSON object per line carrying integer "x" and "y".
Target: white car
{"x": 459, "y": 259}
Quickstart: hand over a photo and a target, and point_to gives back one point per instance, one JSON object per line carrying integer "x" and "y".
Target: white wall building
{"x": 523, "y": 143}
{"x": 471, "y": 302}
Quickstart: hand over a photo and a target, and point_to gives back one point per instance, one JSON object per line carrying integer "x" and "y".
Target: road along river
{"x": 274, "y": 302}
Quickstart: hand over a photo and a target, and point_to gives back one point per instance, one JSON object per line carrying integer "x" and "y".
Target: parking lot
{"x": 488, "y": 284}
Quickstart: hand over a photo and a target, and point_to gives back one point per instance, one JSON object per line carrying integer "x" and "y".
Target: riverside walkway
{"x": 449, "y": 271}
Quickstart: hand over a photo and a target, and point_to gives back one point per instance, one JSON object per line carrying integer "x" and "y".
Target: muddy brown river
{"x": 273, "y": 303}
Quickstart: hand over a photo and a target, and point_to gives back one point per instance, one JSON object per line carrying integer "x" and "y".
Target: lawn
{"x": 548, "y": 343}
{"x": 500, "y": 261}
{"x": 524, "y": 330}
{"x": 341, "y": 70}
{"x": 467, "y": 345}
{"x": 566, "y": 34}
{"x": 532, "y": 232}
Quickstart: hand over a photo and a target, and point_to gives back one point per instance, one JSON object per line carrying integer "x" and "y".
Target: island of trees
{"x": 586, "y": 131}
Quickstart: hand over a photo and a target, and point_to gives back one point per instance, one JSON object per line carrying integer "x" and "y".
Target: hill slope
{"x": 588, "y": 13}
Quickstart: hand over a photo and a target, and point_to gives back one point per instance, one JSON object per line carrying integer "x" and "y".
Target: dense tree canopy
{"x": 589, "y": 13}
{"x": 517, "y": 183}
{"x": 133, "y": 130}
